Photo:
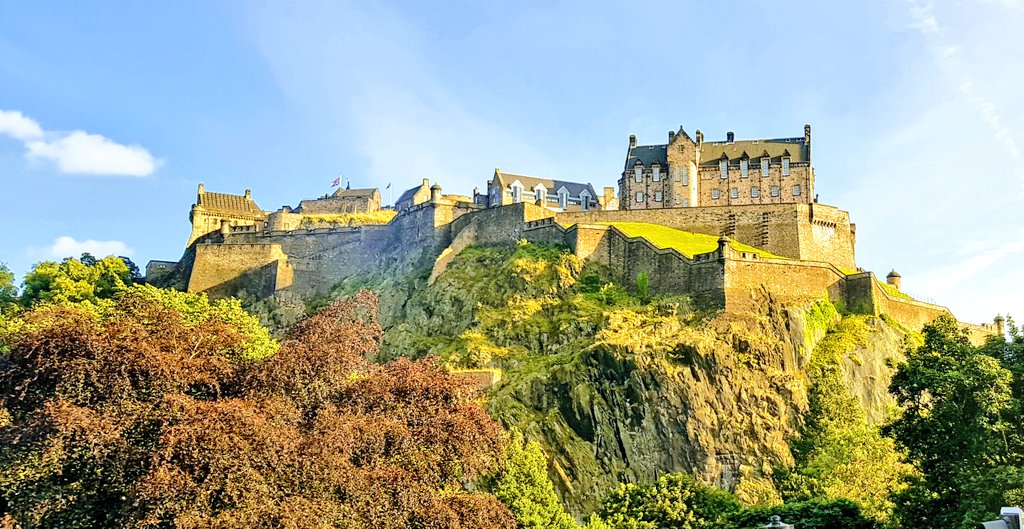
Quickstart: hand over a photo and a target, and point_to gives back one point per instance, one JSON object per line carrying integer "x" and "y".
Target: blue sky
{"x": 112, "y": 113}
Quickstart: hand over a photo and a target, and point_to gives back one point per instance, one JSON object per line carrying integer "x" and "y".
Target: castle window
{"x": 639, "y": 196}
{"x": 755, "y": 192}
{"x": 734, "y": 193}
{"x": 765, "y": 164}
{"x": 785, "y": 166}
{"x": 639, "y": 172}
{"x": 743, "y": 168}
{"x": 723, "y": 165}
{"x": 585, "y": 200}
{"x": 563, "y": 199}
{"x": 539, "y": 194}
{"x": 686, "y": 176}
{"x": 775, "y": 191}
{"x": 517, "y": 193}
{"x": 657, "y": 196}
{"x": 679, "y": 199}
{"x": 714, "y": 194}
{"x": 686, "y": 202}
{"x": 677, "y": 173}
{"x": 656, "y": 172}
{"x": 796, "y": 190}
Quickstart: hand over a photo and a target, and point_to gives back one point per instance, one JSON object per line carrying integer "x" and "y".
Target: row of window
{"x": 683, "y": 173}
{"x": 723, "y": 166}
{"x": 685, "y": 202}
{"x": 540, "y": 194}
{"x": 755, "y": 192}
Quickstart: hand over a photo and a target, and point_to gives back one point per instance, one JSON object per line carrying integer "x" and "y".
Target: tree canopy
{"x": 962, "y": 412}
{"x": 154, "y": 413}
{"x": 74, "y": 280}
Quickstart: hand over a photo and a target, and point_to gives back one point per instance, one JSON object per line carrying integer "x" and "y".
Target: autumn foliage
{"x": 136, "y": 418}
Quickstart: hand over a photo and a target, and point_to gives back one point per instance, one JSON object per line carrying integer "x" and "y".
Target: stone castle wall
{"x": 227, "y": 268}
{"x": 812, "y": 232}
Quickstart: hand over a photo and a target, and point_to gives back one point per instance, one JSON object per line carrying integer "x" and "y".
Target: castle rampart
{"x": 813, "y": 232}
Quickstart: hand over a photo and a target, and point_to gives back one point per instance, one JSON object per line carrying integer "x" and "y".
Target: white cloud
{"x": 66, "y": 246}
{"x": 82, "y": 153}
{"x": 77, "y": 152}
{"x": 18, "y": 126}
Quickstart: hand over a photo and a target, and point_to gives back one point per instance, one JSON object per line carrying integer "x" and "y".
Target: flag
{"x": 336, "y": 182}
{"x": 389, "y": 186}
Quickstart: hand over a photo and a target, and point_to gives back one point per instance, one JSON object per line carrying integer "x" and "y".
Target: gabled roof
{"x": 647, "y": 155}
{"x": 529, "y": 182}
{"x": 712, "y": 151}
{"x": 408, "y": 194}
{"x": 356, "y": 193}
{"x": 226, "y": 203}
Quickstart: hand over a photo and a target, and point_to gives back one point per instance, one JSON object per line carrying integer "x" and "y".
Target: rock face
{"x": 622, "y": 389}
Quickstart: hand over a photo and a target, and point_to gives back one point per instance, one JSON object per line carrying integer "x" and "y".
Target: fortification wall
{"x": 229, "y": 269}
{"x": 782, "y": 229}
{"x": 747, "y": 275}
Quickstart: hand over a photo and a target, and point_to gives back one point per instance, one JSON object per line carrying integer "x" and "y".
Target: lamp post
{"x": 776, "y": 523}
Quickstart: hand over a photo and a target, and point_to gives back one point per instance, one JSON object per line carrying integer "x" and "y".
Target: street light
{"x": 776, "y": 523}
{"x": 1009, "y": 518}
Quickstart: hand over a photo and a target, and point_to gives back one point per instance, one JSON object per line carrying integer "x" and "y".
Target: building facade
{"x": 558, "y": 195}
{"x": 691, "y": 172}
{"x": 215, "y": 211}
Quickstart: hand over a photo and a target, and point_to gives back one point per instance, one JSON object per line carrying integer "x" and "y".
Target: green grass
{"x": 686, "y": 243}
{"x": 382, "y": 216}
{"x": 892, "y": 291}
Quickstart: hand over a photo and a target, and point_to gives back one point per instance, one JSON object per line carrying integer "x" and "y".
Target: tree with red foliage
{"x": 136, "y": 419}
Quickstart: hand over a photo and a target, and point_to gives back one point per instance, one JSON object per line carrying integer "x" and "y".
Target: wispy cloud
{"x": 923, "y": 20}
{"x": 77, "y": 152}
{"x": 66, "y": 246}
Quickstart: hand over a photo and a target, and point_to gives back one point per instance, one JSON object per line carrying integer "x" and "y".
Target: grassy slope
{"x": 382, "y": 216}
{"x": 686, "y": 243}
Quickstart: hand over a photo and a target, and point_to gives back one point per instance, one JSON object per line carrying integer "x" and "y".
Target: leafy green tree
{"x": 961, "y": 425}
{"x": 76, "y": 280}
{"x": 674, "y": 501}
{"x": 839, "y": 454}
{"x": 816, "y": 514}
{"x": 8, "y": 292}
{"x": 522, "y": 483}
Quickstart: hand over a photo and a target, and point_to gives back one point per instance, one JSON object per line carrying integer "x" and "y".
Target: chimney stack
{"x": 632, "y": 141}
{"x": 730, "y": 137}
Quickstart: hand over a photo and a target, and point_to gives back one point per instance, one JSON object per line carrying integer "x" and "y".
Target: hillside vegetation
{"x": 686, "y": 243}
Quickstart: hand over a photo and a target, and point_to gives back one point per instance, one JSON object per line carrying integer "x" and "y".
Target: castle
{"x": 748, "y": 207}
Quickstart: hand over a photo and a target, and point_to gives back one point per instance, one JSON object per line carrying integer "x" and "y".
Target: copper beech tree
{"x": 135, "y": 418}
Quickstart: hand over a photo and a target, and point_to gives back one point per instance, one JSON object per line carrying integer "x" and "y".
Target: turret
{"x": 893, "y": 279}
{"x": 435, "y": 193}
{"x": 1000, "y": 325}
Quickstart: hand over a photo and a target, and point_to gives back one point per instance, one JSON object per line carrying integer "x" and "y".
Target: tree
{"x": 673, "y": 501}
{"x": 75, "y": 280}
{"x": 839, "y": 454}
{"x": 961, "y": 425}
{"x": 815, "y": 514}
{"x": 154, "y": 412}
{"x": 8, "y": 292}
{"x": 522, "y": 483}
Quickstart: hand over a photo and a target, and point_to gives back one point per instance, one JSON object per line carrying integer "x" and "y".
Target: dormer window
{"x": 563, "y": 198}
{"x": 656, "y": 172}
{"x": 723, "y": 166}
{"x": 743, "y": 168}
{"x": 639, "y": 170}
{"x": 517, "y": 192}
{"x": 584, "y": 200}
{"x": 765, "y": 163}
{"x": 785, "y": 166}
{"x": 540, "y": 194}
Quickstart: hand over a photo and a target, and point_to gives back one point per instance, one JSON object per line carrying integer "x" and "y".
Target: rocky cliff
{"x": 622, "y": 385}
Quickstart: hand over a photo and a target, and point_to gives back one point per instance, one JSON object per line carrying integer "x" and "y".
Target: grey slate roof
{"x": 355, "y": 193}
{"x": 529, "y": 182}
{"x": 408, "y": 194}
{"x": 647, "y": 154}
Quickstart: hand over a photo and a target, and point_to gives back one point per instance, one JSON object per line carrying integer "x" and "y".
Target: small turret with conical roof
{"x": 893, "y": 279}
